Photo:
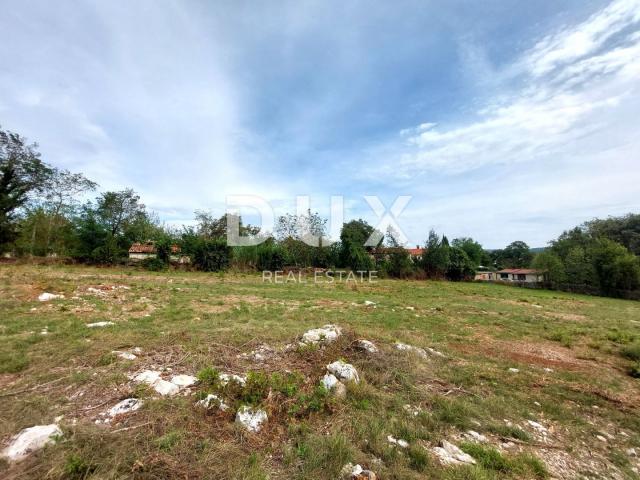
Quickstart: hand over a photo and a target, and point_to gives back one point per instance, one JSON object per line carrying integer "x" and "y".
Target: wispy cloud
{"x": 568, "y": 86}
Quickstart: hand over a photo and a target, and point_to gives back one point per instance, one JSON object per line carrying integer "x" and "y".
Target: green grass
{"x": 201, "y": 324}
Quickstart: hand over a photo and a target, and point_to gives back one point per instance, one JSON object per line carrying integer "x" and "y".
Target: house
{"x": 523, "y": 275}
{"x": 142, "y": 251}
{"x": 485, "y": 276}
{"x": 384, "y": 252}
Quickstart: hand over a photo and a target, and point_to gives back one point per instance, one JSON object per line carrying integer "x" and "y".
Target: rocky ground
{"x": 127, "y": 374}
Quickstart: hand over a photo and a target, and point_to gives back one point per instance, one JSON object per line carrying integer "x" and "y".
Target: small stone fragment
{"x": 99, "y": 324}
{"x": 148, "y": 377}
{"x": 344, "y": 371}
{"x": 397, "y": 441}
{"x": 367, "y": 346}
{"x": 450, "y": 454}
{"x": 412, "y": 410}
{"x": 183, "y": 381}
{"x": 251, "y": 418}
{"x": 326, "y": 334}
{"x": 369, "y": 303}
{"x": 230, "y": 377}
{"x": 514, "y": 370}
{"x": 124, "y": 355}
{"x": 165, "y": 388}
{"x": 212, "y": 401}
{"x": 46, "y": 296}
{"x": 473, "y": 435}
{"x": 29, "y": 440}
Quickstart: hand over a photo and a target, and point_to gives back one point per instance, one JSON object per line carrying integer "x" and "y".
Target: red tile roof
{"x": 149, "y": 247}
{"x": 415, "y": 252}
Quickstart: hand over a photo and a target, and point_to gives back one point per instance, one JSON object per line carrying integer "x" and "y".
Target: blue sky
{"x": 504, "y": 120}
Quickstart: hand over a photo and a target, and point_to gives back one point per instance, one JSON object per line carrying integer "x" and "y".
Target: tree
{"x": 210, "y": 227}
{"x": 353, "y": 237}
{"x": 117, "y": 210}
{"x": 435, "y": 259}
{"x": 624, "y": 230}
{"x": 516, "y": 255}
{"x": 61, "y": 191}
{"x": 22, "y": 173}
{"x": 617, "y": 268}
{"x": 579, "y": 267}
{"x": 473, "y": 249}
{"x": 460, "y": 266}
{"x": 549, "y": 262}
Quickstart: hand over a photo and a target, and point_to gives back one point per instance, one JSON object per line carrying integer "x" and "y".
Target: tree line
{"x": 41, "y": 214}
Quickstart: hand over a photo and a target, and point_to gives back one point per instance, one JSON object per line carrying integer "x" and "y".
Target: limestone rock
{"x": 356, "y": 472}
{"x": 183, "y": 381}
{"x": 366, "y": 346}
{"x": 212, "y": 401}
{"x": 326, "y": 334}
{"x": 397, "y": 441}
{"x": 344, "y": 371}
{"x": 449, "y": 454}
{"x": 251, "y": 418}
{"x": 124, "y": 355}
{"x": 99, "y": 324}
{"x": 46, "y": 296}
{"x": 230, "y": 377}
{"x": 29, "y": 440}
{"x": 165, "y": 388}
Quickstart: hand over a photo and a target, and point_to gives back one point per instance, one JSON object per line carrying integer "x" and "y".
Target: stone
{"x": 127, "y": 405}
{"x": 212, "y": 401}
{"x": 514, "y": 370}
{"x": 29, "y": 440}
{"x": 326, "y": 334}
{"x": 46, "y": 296}
{"x": 329, "y": 381}
{"x": 124, "y": 355}
{"x": 412, "y": 410}
{"x": 344, "y": 371}
{"x": 99, "y": 324}
{"x": 230, "y": 377}
{"x": 601, "y": 438}
{"x": 369, "y": 303}
{"x": 184, "y": 381}
{"x": 260, "y": 354}
{"x": 410, "y": 348}
{"x": 450, "y": 454}
{"x": 366, "y": 346}
{"x": 356, "y": 472}
{"x": 164, "y": 388}
{"x": 538, "y": 427}
{"x": 632, "y": 452}
{"x": 148, "y": 376}
{"x": 397, "y": 441}
{"x": 251, "y": 418}
{"x": 475, "y": 436}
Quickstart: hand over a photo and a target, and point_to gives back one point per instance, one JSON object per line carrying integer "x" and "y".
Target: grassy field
{"x": 511, "y": 356}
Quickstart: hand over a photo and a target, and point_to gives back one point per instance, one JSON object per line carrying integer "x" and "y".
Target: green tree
{"x": 579, "y": 267}
{"x": 435, "y": 260}
{"x": 617, "y": 269}
{"x": 353, "y": 237}
{"x": 473, "y": 249}
{"x": 460, "y": 266}
{"x": 516, "y": 255}
{"x": 22, "y": 174}
{"x": 549, "y": 262}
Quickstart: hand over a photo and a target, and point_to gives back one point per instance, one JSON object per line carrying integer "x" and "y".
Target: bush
{"x": 153, "y": 264}
{"x": 270, "y": 256}
{"x": 211, "y": 255}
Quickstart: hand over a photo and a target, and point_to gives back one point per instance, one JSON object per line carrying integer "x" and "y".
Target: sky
{"x": 503, "y": 120}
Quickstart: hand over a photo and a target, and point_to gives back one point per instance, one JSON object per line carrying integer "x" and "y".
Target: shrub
{"x": 211, "y": 255}
{"x": 153, "y": 264}
{"x": 270, "y": 257}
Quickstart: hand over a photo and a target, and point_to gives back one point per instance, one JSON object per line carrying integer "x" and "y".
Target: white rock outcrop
{"x": 449, "y": 454}
{"x": 29, "y": 440}
{"x": 251, "y": 418}
{"x": 184, "y": 381}
{"x": 212, "y": 401}
{"x": 344, "y": 371}
{"x": 99, "y": 324}
{"x": 46, "y": 296}
{"x": 231, "y": 377}
{"x": 165, "y": 388}
{"x": 124, "y": 355}
{"x": 325, "y": 334}
{"x": 366, "y": 346}
{"x": 127, "y": 405}
{"x": 397, "y": 441}
{"x": 422, "y": 352}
